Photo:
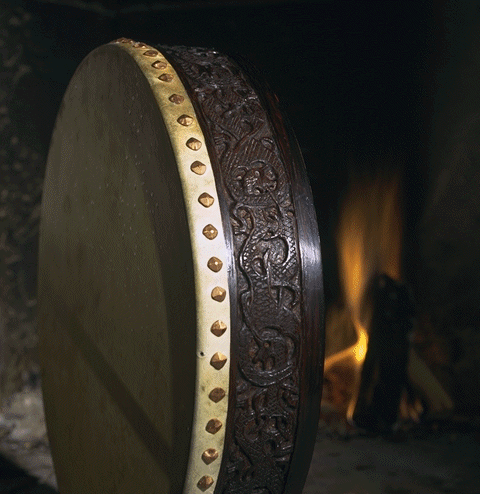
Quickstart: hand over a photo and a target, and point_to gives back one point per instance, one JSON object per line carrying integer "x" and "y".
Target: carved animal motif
{"x": 266, "y": 255}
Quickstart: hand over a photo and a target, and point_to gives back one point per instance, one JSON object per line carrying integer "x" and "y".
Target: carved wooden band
{"x": 270, "y": 229}
{"x": 274, "y": 334}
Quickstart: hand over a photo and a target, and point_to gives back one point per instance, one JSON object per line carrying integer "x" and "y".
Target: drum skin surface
{"x": 180, "y": 283}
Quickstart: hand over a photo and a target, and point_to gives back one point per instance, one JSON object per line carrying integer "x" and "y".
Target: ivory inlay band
{"x": 208, "y": 247}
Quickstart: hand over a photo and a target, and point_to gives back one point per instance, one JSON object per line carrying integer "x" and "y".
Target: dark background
{"x": 354, "y": 77}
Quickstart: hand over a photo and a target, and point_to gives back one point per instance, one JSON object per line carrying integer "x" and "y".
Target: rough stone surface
{"x": 23, "y": 439}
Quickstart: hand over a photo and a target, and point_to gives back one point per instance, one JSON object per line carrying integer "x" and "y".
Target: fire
{"x": 369, "y": 240}
{"x": 360, "y": 348}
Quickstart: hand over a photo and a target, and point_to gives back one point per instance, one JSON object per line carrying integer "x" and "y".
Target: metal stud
{"x": 158, "y": 64}
{"x": 219, "y": 294}
{"x": 198, "y": 167}
{"x": 205, "y": 482}
{"x": 206, "y": 200}
{"x": 215, "y": 264}
{"x": 166, "y": 77}
{"x": 185, "y": 120}
{"x": 218, "y": 328}
{"x": 210, "y": 232}
{"x": 218, "y": 360}
{"x": 176, "y": 98}
{"x": 213, "y": 426}
{"x": 209, "y": 455}
{"x": 217, "y": 394}
{"x": 194, "y": 144}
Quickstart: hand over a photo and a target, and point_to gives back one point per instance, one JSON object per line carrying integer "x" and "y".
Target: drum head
{"x": 180, "y": 296}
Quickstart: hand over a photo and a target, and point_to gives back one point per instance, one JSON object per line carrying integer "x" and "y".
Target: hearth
{"x": 377, "y": 380}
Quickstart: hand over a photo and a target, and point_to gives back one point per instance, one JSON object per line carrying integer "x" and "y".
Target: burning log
{"x": 384, "y": 372}
{"x": 366, "y": 380}
{"x": 369, "y": 242}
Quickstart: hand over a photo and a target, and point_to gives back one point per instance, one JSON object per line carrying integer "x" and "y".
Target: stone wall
{"x": 449, "y": 230}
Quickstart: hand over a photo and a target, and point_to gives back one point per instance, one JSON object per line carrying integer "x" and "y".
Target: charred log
{"x": 384, "y": 372}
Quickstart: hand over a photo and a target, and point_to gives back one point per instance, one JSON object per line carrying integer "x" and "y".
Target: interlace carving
{"x": 267, "y": 261}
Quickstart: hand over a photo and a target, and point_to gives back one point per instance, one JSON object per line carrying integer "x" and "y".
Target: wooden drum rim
{"x": 212, "y": 79}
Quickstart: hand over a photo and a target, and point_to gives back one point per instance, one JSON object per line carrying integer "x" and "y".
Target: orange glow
{"x": 360, "y": 349}
{"x": 369, "y": 239}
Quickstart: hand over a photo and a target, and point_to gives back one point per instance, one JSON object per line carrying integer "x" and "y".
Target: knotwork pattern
{"x": 266, "y": 254}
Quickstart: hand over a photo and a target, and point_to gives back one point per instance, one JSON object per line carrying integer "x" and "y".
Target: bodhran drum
{"x": 180, "y": 285}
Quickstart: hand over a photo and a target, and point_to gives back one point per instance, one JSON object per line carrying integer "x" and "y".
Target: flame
{"x": 369, "y": 240}
{"x": 360, "y": 348}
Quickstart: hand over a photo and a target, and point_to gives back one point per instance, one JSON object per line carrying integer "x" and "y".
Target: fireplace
{"x": 375, "y": 375}
{"x": 368, "y": 243}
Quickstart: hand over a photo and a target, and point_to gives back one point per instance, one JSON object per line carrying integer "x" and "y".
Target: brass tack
{"x": 206, "y": 200}
{"x": 205, "y": 482}
{"x": 185, "y": 120}
{"x": 151, "y": 53}
{"x": 123, "y": 40}
{"x": 215, "y": 264}
{"x": 158, "y": 64}
{"x": 166, "y": 77}
{"x": 219, "y": 294}
{"x": 217, "y": 394}
{"x": 176, "y": 98}
{"x": 138, "y": 44}
{"x": 218, "y": 328}
{"x": 218, "y": 360}
{"x": 210, "y": 232}
{"x": 209, "y": 455}
{"x": 198, "y": 167}
{"x": 213, "y": 426}
{"x": 194, "y": 144}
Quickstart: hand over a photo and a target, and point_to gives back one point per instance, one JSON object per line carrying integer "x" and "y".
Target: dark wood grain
{"x": 277, "y": 320}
